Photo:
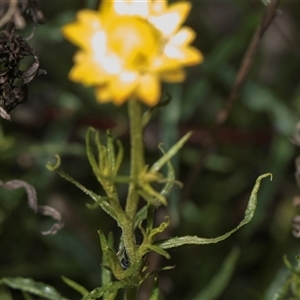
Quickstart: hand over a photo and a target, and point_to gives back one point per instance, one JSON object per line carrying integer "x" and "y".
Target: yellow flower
{"x": 128, "y": 46}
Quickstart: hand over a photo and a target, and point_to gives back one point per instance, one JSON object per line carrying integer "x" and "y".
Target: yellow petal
{"x": 158, "y": 7}
{"x": 173, "y": 76}
{"x": 89, "y": 17}
{"x": 133, "y": 40}
{"x": 192, "y": 56}
{"x": 105, "y": 7}
{"x": 110, "y": 64}
{"x": 77, "y": 34}
{"x": 148, "y": 90}
{"x": 139, "y": 8}
{"x": 103, "y": 94}
{"x": 169, "y": 22}
{"x": 98, "y": 43}
{"x": 183, "y": 37}
{"x": 164, "y": 63}
{"x": 182, "y": 9}
{"x": 86, "y": 70}
{"x": 184, "y": 55}
{"x": 131, "y": 8}
{"x": 81, "y": 32}
{"x": 129, "y": 45}
{"x": 107, "y": 12}
{"x": 123, "y": 86}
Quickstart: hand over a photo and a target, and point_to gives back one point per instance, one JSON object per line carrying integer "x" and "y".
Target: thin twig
{"x": 269, "y": 15}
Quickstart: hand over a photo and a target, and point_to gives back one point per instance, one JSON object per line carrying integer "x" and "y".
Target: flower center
{"x": 134, "y": 41}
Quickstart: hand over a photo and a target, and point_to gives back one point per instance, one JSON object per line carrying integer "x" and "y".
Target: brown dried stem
{"x": 269, "y": 15}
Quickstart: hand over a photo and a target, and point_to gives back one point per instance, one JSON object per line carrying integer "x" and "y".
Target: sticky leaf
{"x": 195, "y": 240}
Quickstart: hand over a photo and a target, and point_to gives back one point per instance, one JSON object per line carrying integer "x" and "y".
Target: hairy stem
{"x": 136, "y": 166}
{"x": 137, "y": 154}
{"x": 130, "y": 293}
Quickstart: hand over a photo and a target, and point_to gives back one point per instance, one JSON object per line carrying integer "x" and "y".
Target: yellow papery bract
{"x": 170, "y": 21}
{"x": 103, "y": 93}
{"x": 84, "y": 67}
{"x": 183, "y": 37}
{"x": 149, "y": 90}
{"x": 129, "y": 46}
{"x": 123, "y": 86}
{"x": 174, "y": 76}
{"x": 81, "y": 32}
{"x": 132, "y": 8}
{"x": 188, "y": 56}
{"x": 137, "y": 48}
{"x": 158, "y": 7}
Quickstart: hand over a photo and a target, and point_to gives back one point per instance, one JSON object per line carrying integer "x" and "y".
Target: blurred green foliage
{"x": 254, "y": 140}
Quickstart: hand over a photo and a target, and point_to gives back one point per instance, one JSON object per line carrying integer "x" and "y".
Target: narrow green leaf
{"x": 170, "y": 153}
{"x": 155, "y": 272}
{"x": 111, "y": 156}
{"x": 89, "y": 151}
{"x": 106, "y": 274}
{"x": 148, "y": 114}
{"x": 150, "y": 217}
{"x": 74, "y": 285}
{"x": 280, "y": 286}
{"x": 110, "y": 295}
{"x": 161, "y": 228}
{"x": 88, "y": 192}
{"x": 110, "y": 257}
{"x": 120, "y": 156}
{"x": 151, "y": 196}
{"x": 158, "y": 250}
{"x": 195, "y": 240}
{"x": 170, "y": 177}
{"x": 143, "y": 231}
{"x": 220, "y": 281}
{"x": 97, "y": 140}
{"x": 25, "y": 295}
{"x": 147, "y": 117}
{"x": 293, "y": 269}
{"x": 104, "y": 166}
{"x": 109, "y": 205}
{"x": 111, "y": 287}
{"x": 36, "y": 288}
{"x": 54, "y": 167}
{"x": 287, "y": 262}
{"x": 118, "y": 179}
{"x": 5, "y": 293}
{"x": 171, "y": 180}
{"x": 102, "y": 154}
{"x": 97, "y": 203}
{"x": 140, "y": 216}
{"x": 155, "y": 290}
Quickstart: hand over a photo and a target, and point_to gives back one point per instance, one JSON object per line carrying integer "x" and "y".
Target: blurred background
{"x": 255, "y": 139}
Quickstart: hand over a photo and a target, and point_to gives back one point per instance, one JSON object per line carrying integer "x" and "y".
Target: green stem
{"x": 136, "y": 167}
{"x": 130, "y": 293}
{"x": 137, "y": 154}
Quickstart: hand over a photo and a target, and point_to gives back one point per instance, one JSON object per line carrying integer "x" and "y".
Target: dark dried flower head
{"x": 13, "y": 49}
{"x": 13, "y": 81}
{"x": 13, "y": 11}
